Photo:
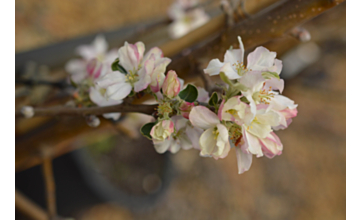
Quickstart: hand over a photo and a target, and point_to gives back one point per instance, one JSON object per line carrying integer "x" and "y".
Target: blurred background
{"x": 112, "y": 172}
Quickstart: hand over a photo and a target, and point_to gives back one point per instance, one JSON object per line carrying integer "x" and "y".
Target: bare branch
{"x": 62, "y": 110}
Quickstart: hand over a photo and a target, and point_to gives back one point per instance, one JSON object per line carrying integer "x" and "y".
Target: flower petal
{"x": 230, "y": 71}
{"x": 202, "y": 117}
{"x": 260, "y": 59}
{"x": 207, "y": 142}
{"x": 214, "y": 67}
{"x": 244, "y": 160}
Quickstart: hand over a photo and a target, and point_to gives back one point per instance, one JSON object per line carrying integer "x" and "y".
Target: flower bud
{"x": 171, "y": 86}
{"x": 27, "y": 111}
{"x": 162, "y": 130}
{"x": 92, "y": 121}
{"x": 185, "y": 109}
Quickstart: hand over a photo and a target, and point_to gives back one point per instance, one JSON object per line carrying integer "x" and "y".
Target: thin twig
{"x": 62, "y": 110}
{"x": 28, "y": 207}
{"x": 49, "y": 182}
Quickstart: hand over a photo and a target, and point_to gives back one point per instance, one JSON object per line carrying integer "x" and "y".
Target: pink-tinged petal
{"x": 155, "y": 51}
{"x": 202, "y": 117}
{"x": 271, "y": 145}
{"x": 280, "y": 102}
{"x": 185, "y": 109}
{"x": 214, "y": 67}
{"x": 194, "y": 134}
{"x": 289, "y": 113}
{"x": 171, "y": 86}
{"x": 233, "y": 56}
{"x": 129, "y": 57}
{"x": 244, "y": 160}
{"x": 162, "y": 146}
{"x": 229, "y": 71}
{"x": 158, "y": 74}
{"x": 260, "y": 59}
{"x": 251, "y": 143}
{"x": 221, "y": 110}
{"x": 141, "y": 49}
{"x": 274, "y": 84}
{"x": 203, "y": 95}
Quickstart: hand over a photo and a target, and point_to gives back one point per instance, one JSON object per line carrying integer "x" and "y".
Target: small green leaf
{"x": 146, "y": 129}
{"x": 115, "y": 66}
{"x": 225, "y": 79}
{"x": 244, "y": 99}
{"x": 214, "y": 99}
{"x": 189, "y": 94}
{"x": 269, "y": 75}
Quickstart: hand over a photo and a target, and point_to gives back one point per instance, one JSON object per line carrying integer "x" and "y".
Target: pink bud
{"x": 185, "y": 109}
{"x": 171, "y": 86}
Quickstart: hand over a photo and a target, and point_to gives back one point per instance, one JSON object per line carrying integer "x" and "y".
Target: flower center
{"x": 215, "y": 133}
{"x": 164, "y": 108}
{"x": 263, "y": 96}
{"x": 232, "y": 112}
{"x": 132, "y": 77}
{"x": 241, "y": 69}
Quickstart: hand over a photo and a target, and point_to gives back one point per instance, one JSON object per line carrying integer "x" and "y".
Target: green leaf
{"x": 244, "y": 99}
{"x": 146, "y": 129}
{"x": 269, "y": 75}
{"x": 115, "y": 66}
{"x": 225, "y": 79}
{"x": 189, "y": 94}
{"x": 214, "y": 99}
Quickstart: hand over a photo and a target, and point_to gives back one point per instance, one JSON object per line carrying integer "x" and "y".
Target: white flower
{"x": 261, "y": 59}
{"x": 185, "y": 19}
{"x": 97, "y": 96}
{"x": 142, "y": 71}
{"x": 215, "y": 139}
{"x": 95, "y": 60}
{"x": 285, "y": 108}
{"x": 184, "y": 136}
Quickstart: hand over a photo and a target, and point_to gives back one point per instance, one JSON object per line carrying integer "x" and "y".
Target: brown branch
{"x": 49, "y": 182}
{"x": 28, "y": 207}
{"x": 256, "y": 30}
{"x": 61, "y": 110}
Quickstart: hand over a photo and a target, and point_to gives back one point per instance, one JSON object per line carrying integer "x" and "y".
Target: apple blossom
{"x": 215, "y": 139}
{"x": 97, "y": 95}
{"x": 141, "y": 71}
{"x": 184, "y": 136}
{"x": 95, "y": 60}
{"x": 185, "y": 17}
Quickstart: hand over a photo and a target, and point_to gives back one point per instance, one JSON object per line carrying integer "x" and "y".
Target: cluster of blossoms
{"x": 186, "y": 16}
{"x": 243, "y": 117}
